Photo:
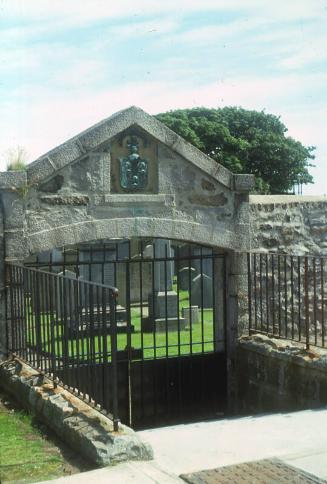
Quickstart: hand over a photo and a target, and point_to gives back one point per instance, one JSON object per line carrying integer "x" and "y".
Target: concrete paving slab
{"x": 207, "y": 445}
{"x": 126, "y": 473}
{"x": 298, "y": 439}
{"x": 314, "y": 463}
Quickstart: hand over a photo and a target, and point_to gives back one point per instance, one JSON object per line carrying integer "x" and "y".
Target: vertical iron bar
{"x": 166, "y": 302}
{"x": 213, "y": 305}
{"x": 322, "y": 302}
{"x": 261, "y": 291}
{"x": 299, "y": 296}
{"x": 314, "y": 268}
{"x": 141, "y": 248}
{"x": 267, "y": 294}
{"x": 129, "y": 336}
{"x": 255, "y": 292}
{"x": 273, "y": 291}
{"x": 292, "y": 294}
{"x": 10, "y": 328}
{"x": 47, "y": 343}
{"x": 54, "y": 356}
{"x": 279, "y": 297}
{"x": 105, "y": 385}
{"x": 285, "y": 296}
{"x": 249, "y": 292}
{"x": 306, "y": 302}
{"x": 180, "y": 406}
{"x": 113, "y": 339}
{"x": 72, "y": 331}
{"x": 38, "y": 322}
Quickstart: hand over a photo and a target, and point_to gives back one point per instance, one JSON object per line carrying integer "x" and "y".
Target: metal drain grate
{"x": 267, "y": 471}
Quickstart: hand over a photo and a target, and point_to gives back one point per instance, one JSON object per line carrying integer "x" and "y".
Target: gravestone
{"x": 140, "y": 274}
{"x": 204, "y": 266}
{"x": 148, "y": 251}
{"x": 99, "y": 267}
{"x": 202, "y": 291}
{"x": 185, "y": 277}
{"x": 163, "y": 307}
{"x": 67, "y": 300}
{"x": 191, "y": 314}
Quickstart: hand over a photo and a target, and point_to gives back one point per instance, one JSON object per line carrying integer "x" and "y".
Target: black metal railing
{"x": 170, "y": 320}
{"x": 65, "y": 327}
{"x": 139, "y": 270}
{"x": 287, "y": 297}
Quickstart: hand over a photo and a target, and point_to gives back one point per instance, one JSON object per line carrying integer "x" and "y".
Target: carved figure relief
{"x": 133, "y": 169}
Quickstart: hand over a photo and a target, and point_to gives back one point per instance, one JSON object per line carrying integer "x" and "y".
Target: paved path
{"x": 299, "y": 439}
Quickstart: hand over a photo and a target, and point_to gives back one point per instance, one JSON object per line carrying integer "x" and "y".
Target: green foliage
{"x": 246, "y": 142}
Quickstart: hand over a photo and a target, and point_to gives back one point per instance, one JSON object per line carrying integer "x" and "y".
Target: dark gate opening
{"x": 170, "y": 360}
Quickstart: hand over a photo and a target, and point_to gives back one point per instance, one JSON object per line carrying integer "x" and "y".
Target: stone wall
{"x": 276, "y": 375}
{"x": 82, "y": 427}
{"x": 289, "y": 224}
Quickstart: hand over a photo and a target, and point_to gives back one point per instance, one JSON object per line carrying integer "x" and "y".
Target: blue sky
{"x": 65, "y": 65}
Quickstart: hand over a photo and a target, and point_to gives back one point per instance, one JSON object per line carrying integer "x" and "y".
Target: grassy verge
{"x": 27, "y": 454}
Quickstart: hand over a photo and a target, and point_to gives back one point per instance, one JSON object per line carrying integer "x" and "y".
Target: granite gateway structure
{"x": 130, "y": 178}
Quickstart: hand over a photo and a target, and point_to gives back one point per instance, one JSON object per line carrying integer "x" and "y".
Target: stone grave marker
{"x": 185, "y": 277}
{"x": 163, "y": 308}
{"x": 202, "y": 284}
{"x": 191, "y": 314}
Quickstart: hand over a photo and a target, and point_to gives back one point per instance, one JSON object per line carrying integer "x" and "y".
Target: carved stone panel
{"x": 134, "y": 165}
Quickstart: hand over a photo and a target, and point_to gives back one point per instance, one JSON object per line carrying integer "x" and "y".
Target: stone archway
{"x": 82, "y": 191}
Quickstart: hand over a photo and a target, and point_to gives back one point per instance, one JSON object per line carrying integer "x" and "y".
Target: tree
{"x": 246, "y": 142}
{"x": 16, "y": 159}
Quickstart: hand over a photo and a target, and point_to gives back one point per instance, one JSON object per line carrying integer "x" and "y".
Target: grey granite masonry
{"x": 71, "y": 194}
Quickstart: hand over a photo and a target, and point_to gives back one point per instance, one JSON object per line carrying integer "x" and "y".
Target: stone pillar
{"x": 12, "y": 244}
{"x": 236, "y": 290}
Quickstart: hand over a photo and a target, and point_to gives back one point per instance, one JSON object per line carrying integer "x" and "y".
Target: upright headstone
{"x": 67, "y": 299}
{"x": 203, "y": 264}
{"x": 202, "y": 291}
{"x": 185, "y": 277}
{"x": 97, "y": 266}
{"x": 191, "y": 314}
{"x": 163, "y": 268}
{"x": 140, "y": 279}
{"x": 163, "y": 305}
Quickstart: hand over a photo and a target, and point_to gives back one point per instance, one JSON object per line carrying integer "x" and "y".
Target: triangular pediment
{"x": 95, "y": 138}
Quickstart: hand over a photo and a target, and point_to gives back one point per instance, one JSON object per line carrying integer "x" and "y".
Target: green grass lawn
{"x": 25, "y": 455}
{"x": 195, "y": 338}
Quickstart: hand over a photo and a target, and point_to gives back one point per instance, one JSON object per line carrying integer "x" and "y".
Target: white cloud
{"x": 49, "y": 117}
{"x": 305, "y": 55}
{"x": 77, "y": 11}
{"x": 212, "y": 33}
{"x": 56, "y": 94}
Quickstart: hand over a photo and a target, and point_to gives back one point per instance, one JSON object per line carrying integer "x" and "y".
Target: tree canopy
{"x": 246, "y": 142}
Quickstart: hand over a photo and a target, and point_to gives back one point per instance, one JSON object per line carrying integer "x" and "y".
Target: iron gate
{"x": 164, "y": 346}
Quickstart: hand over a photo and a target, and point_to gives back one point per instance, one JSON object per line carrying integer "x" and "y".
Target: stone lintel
{"x": 133, "y": 199}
